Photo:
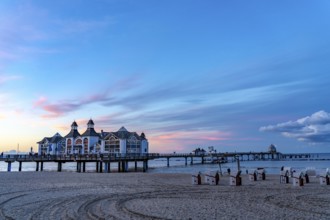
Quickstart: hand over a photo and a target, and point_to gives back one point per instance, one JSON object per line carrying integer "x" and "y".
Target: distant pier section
{"x": 103, "y": 162}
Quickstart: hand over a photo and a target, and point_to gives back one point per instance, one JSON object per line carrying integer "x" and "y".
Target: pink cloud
{"x": 199, "y": 135}
{"x": 181, "y": 140}
{"x": 59, "y": 108}
{"x": 40, "y": 102}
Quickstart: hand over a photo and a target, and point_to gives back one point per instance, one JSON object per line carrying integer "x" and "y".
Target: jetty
{"x": 103, "y": 161}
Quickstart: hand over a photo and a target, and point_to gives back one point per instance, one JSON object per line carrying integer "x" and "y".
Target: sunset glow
{"x": 237, "y": 76}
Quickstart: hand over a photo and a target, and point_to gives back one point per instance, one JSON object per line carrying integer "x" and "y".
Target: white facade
{"x": 91, "y": 142}
{"x": 51, "y": 145}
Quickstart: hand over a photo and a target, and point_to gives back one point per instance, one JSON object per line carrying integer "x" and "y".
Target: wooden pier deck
{"x": 103, "y": 161}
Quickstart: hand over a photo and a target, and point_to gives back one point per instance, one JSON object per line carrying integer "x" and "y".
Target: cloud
{"x": 311, "y": 129}
{"x": 59, "y": 108}
{"x": 25, "y": 28}
{"x": 82, "y": 26}
{"x": 6, "y": 78}
{"x": 175, "y": 141}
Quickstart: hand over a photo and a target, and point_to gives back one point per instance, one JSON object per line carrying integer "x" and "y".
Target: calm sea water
{"x": 319, "y": 161}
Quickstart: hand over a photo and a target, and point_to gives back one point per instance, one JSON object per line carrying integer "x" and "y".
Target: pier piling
{"x": 109, "y": 167}
{"x": 9, "y": 166}
{"x": 101, "y": 166}
{"x": 59, "y": 166}
{"x": 144, "y": 166}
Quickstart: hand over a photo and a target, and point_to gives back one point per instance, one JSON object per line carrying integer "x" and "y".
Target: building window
{"x": 85, "y": 145}
{"x": 112, "y": 145}
{"x": 78, "y": 142}
{"x": 133, "y": 145}
{"x": 44, "y": 148}
{"x": 61, "y": 147}
{"x": 69, "y": 146}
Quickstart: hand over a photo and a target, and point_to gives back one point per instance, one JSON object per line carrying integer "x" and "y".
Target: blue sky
{"x": 237, "y": 75}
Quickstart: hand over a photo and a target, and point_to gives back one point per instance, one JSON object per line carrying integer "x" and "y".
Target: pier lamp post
{"x": 238, "y": 164}
{"x": 219, "y": 161}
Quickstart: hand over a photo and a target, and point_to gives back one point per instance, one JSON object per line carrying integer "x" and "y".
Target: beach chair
{"x": 235, "y": 179}
{"x": 212, "y": 177}
{"x": 261, "y": 174}
{"x": 253, "y": 175}
{"x": 196, "y": 179}
{"x": 285, "y": 173}
{"x": 298, "y": 179}
{"x": 325, "y": 177}
{"x": 310, "y": 171}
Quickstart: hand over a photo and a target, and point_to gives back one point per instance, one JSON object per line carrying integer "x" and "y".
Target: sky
{"x": 237, "y": 75}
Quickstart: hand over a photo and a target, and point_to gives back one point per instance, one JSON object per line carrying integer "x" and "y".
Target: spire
{"x": 74, "y": 131}
{"x": 90, "y": 124}
{"x": 74, "y": 125}
{"x": 90, "y": 130}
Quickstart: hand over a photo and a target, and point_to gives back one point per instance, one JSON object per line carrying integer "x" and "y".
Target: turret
{"x": 90, "y": 124}
{"x": 74, "y": 125}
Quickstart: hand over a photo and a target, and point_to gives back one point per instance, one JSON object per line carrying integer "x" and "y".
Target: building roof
{"x": 143, "y": 136}
{"x": 90, "y": 122}
{"x": 122, "y": 133}
{"x": 54, "y": 140}
{"x": 90, "y": 132}
{"x": 103, "y": 134}
{"x": 74, "y": 123}
{"x": 73, "y": 133}
{"x": 272, "y": 148}
{"x": 122, "y": 129}
{"x": 44, "y": 140}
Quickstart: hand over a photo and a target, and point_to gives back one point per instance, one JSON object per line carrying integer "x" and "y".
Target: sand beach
{"x": 70, "y": 195}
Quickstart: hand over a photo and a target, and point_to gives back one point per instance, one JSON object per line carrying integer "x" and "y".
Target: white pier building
{"x": 91, "y": 142}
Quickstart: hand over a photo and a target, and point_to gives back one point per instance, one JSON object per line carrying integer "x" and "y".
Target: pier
{"x": 103, "y": 161}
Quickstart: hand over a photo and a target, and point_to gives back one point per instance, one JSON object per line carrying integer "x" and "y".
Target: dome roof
{"x": 272, "y": 148}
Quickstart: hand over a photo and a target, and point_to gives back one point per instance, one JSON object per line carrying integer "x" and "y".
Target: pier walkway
{"x": 103, "y": 161}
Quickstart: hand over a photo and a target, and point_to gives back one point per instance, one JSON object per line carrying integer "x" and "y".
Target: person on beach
{"x": 228, "y": 170}
{"x": 199, "y": 178}
{"x": 217, "y": 178}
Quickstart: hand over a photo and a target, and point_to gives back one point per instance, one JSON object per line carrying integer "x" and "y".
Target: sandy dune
{"x": 66, "y": 195}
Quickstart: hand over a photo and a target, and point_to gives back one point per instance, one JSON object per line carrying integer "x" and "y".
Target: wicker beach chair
{"x": 235, "y": 179}
{"x": 253, "y": 175}
{"x": 298, "y": 178}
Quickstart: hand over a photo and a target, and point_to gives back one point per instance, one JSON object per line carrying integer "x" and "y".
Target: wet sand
{"x": 69, "y": 195}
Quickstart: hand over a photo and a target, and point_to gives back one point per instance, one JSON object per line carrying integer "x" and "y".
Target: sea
{"x": 318, "y": 161}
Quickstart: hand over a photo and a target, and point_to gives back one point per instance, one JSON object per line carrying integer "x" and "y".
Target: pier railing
{"x": 150, "y": 156}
